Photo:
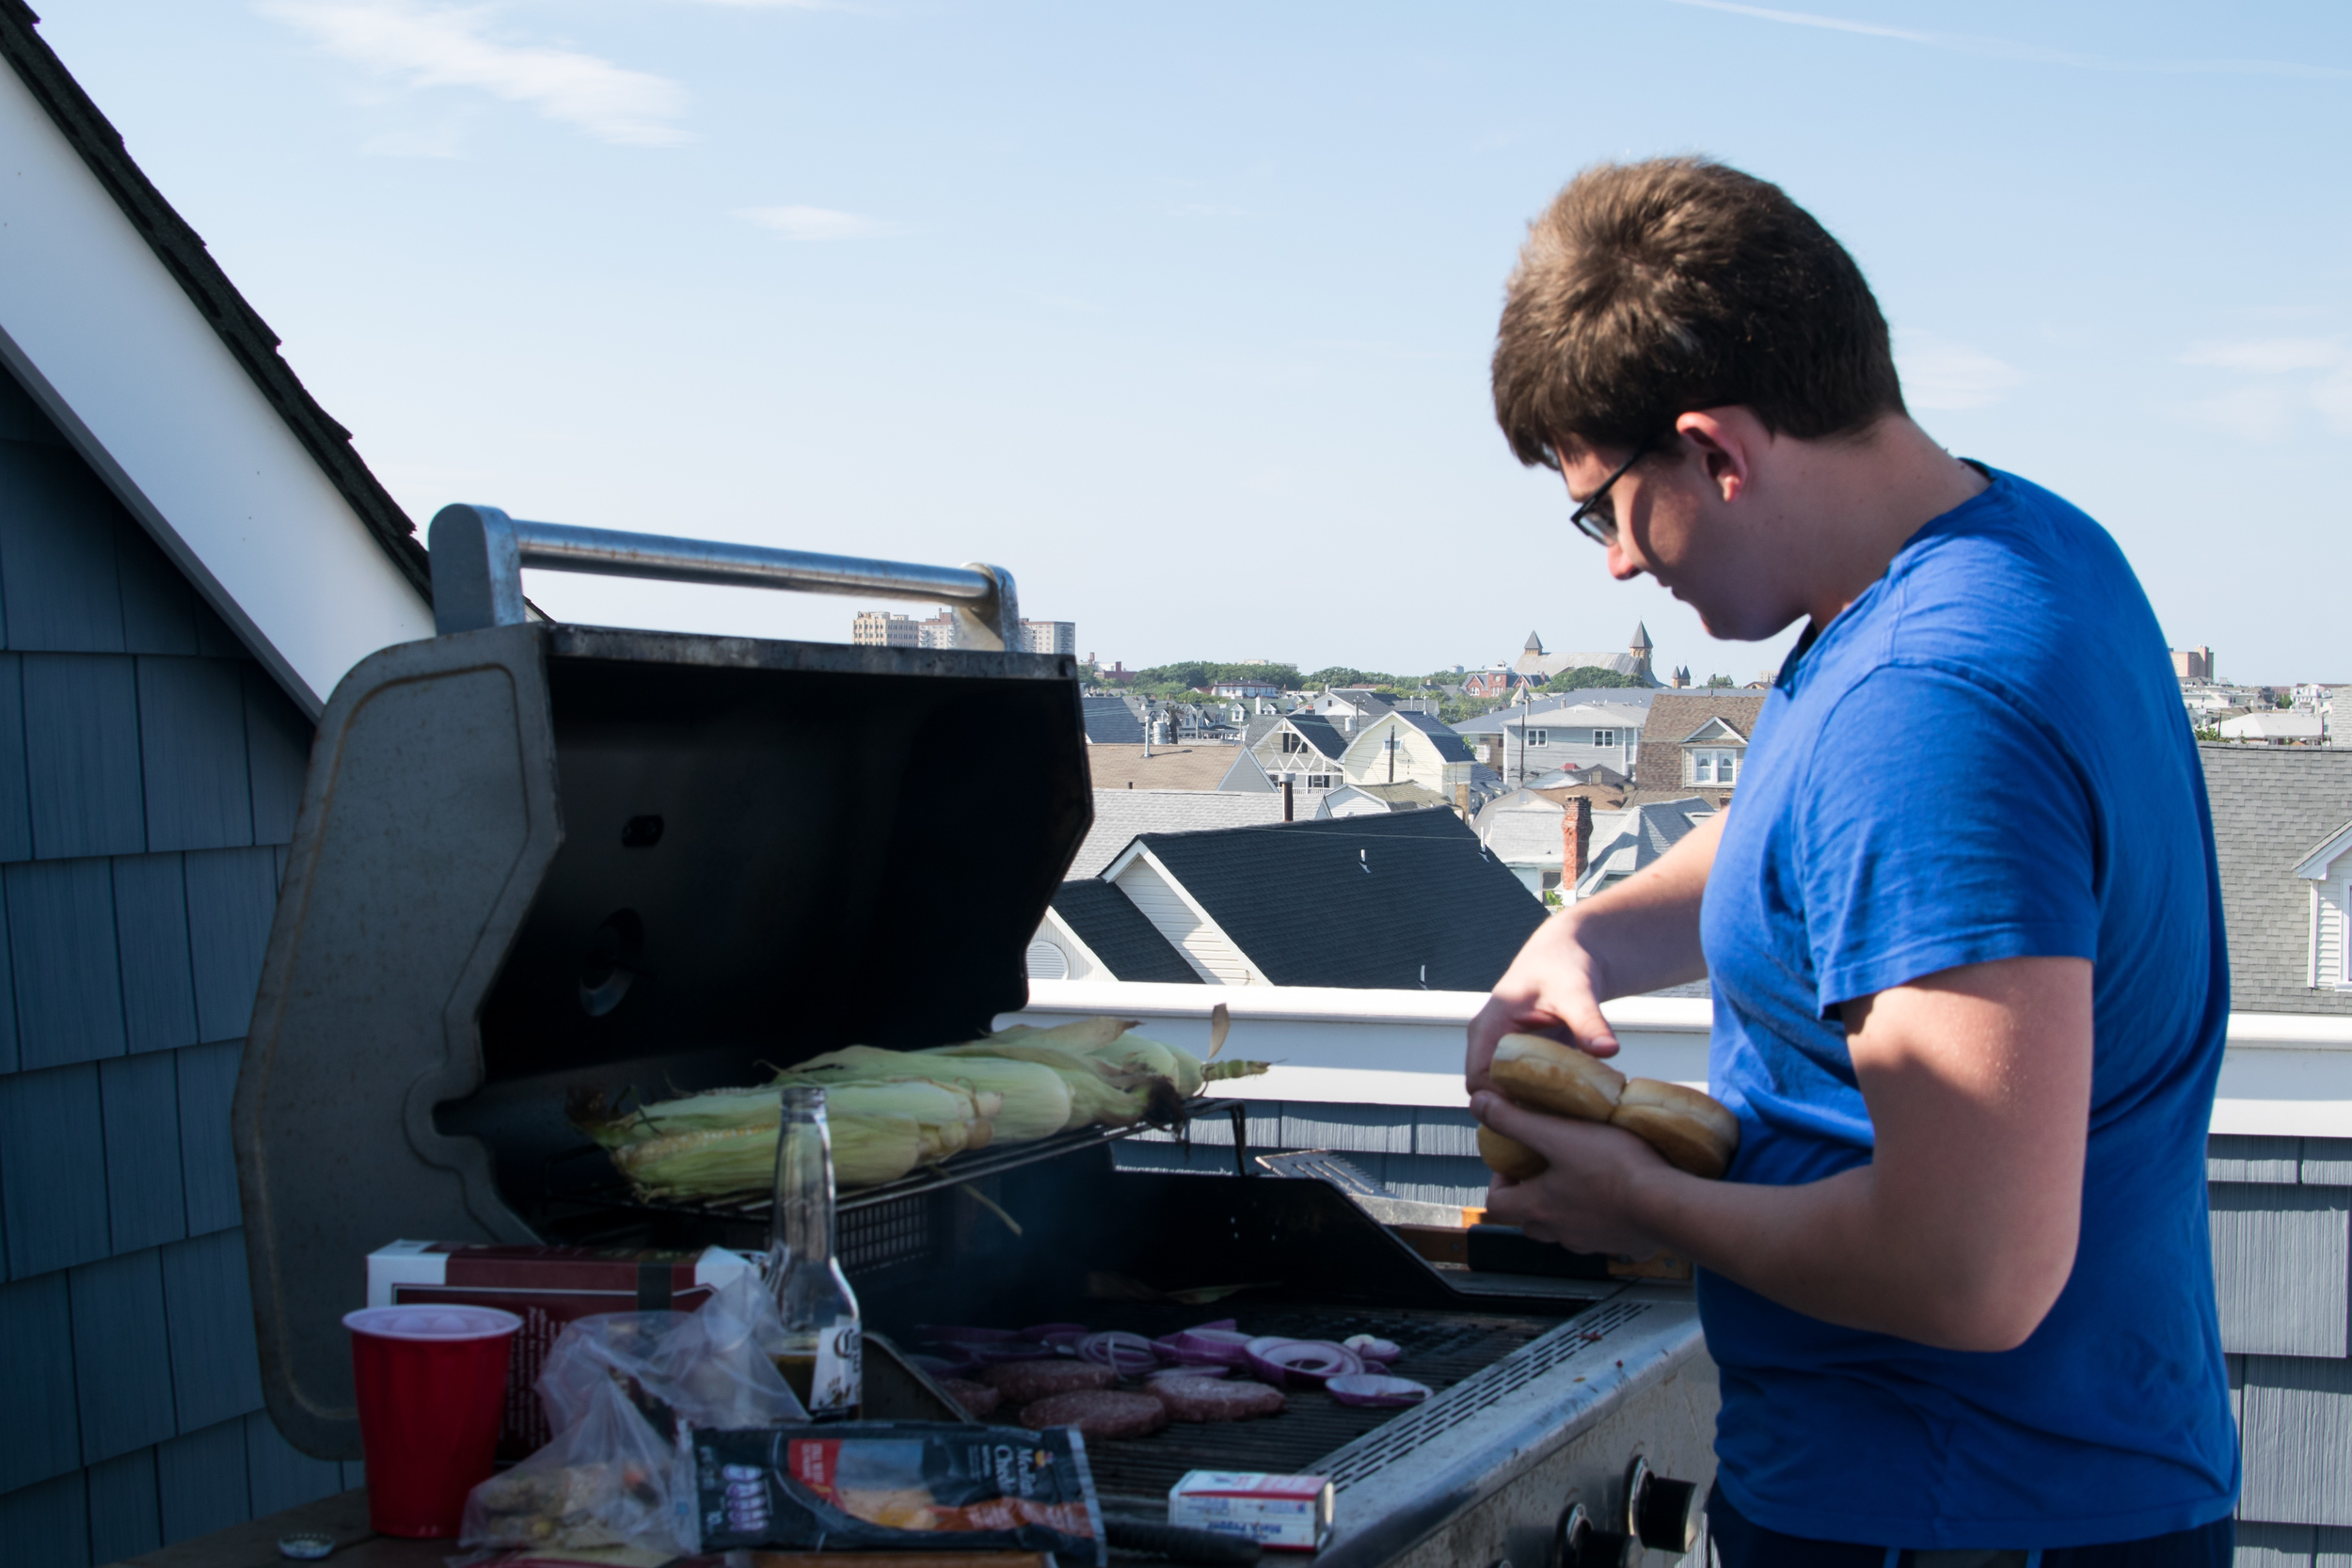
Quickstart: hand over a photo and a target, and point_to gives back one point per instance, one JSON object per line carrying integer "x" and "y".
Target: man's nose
{"x": 1623, "y": 564}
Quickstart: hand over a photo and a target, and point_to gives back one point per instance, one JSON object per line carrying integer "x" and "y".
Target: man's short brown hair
{"x": 1649, "y": 290}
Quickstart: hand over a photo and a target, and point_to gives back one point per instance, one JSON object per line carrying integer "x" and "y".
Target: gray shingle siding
{"x": 148, "y": 775}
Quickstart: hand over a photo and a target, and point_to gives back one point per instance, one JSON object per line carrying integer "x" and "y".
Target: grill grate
{"x": 1452, "y": 1407}
{"x": 1444, "y": 1349}
{"x": 881, "y": 1234}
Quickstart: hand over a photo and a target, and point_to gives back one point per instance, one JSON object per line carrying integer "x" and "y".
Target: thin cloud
{"x": 2268, "y": 356}
{"x": 428, "y": 45}
{"x": 818, "y": 223}
{"x": 2006, "y": 49}
{"x": 2261, "y": 412}
{"x": 1940, "y": 373}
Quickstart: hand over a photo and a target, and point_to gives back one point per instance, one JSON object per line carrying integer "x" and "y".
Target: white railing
{"x": 2282, "y": 1074}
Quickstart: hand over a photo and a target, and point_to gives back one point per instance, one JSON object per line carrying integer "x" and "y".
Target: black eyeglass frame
{"x": 1595, "y": 517}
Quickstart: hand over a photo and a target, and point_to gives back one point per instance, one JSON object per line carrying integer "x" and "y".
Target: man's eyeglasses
{"x": 1597, "y": 519}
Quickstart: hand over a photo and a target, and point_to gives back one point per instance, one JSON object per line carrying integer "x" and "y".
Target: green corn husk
{"x": 1085, "y": 1033}
{"x": 950, "y": 1117}
{"x": 1032, "y": 1101}
{"x": 868, "y": 1148}
{"x": 1217, "y": 1070}
{"x": 1174, "y": 1063}
{"x": 1100, "y": 1093}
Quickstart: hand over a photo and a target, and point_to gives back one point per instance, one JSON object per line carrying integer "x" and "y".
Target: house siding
{"x": 1216, "y": 958}
{"x": 149, "y": 774}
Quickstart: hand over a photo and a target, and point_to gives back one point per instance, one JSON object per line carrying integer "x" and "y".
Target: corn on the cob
{"x": 868, "y": 1149}
{"x": 1033, "y": 1101}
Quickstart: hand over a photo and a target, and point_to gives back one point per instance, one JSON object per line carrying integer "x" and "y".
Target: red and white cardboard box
{"x": 546, "y": 1287}
{"x": 1273, "y": 1511}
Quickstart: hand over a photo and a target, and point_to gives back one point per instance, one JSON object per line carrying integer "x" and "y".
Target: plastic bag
{"x": 713, "y": 1367}
{"x": 906, "y": 1485}
{"x": 624, "y": 1392}
{"x": 607, "y": 1479}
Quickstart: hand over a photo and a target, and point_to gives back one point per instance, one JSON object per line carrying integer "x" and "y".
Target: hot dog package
{"x": 908, "y": 1486}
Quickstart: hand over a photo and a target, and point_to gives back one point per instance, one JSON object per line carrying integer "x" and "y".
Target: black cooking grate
{"x": 1441, "y": 1349}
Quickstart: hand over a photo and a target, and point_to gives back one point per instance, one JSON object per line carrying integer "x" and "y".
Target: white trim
{"x": 1064, "y": 936}
{"x": 2282, "y": 1074}
{"x": 115, "y": 352}
{"x": 2314, "y": 867}
{"x": 2312, "y": 952}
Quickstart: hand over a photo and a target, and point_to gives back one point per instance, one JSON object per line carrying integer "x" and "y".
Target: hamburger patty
{"x": 1098, "y": 1414}
{"x": 1026, "y": 1381}
{"x": 1202, "y": 1399}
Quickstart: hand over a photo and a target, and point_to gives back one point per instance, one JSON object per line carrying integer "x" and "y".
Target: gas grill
{"x": 537, "y": 861}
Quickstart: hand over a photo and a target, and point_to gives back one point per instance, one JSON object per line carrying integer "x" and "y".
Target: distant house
{"x": 1247, "y": 689}
{"x": 1351, "y": 708}
{"x": 1626, "y": 841}
{"x": 2275, "y": 727}
{"x": 1696, "y": 742}
{"x": 1575, "y": 736}
{"x": 192, "y": 555}
{"x": 1302, "y": 747}
{"x": 1543, "y": 837}
{"x": 1537, "y": 664}
{"x": 1121, "y": 815}
{"x": 1403, "y": 900}
{"x": 1501, "y": 681}
{"x": 1092, "y": 932}
{"x": 2282, "y": 834}
{"x": 1409, "y": 748}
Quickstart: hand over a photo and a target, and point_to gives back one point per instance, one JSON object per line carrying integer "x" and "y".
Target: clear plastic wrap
{"x": 625, "y": 1391}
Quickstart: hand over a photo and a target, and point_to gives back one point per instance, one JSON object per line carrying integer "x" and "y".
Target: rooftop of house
{"x": 2272, "y": 806}
{"x": 1626, "y": 841}
{"x": 1109, "y": 721}
{"x": 1400, "y": 899}
{"x": 1119, "y": 815}
{"x": 1451, "y": 746}
{"x": 1674, "y": 716}
{"x": 1404, "y": 795}
{"x": 1628, "y": 698}
{"x": 1117, "y": 932}
{"x": 1316, "y": 730}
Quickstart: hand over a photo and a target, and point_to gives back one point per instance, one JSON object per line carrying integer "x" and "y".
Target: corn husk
{"x": 1084, "y": 1034}
{"x": 868, "y": 1148}
{"x": 1102, "y": 1094}
{"x": 1031, "y": 1103}
{"x": 1180, "y": 1067}
{"x": 948, "y": 1118}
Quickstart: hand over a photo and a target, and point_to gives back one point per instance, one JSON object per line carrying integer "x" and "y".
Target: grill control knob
{"x": 1660, "y": 1512}
{"x": 1581, "y": 1543}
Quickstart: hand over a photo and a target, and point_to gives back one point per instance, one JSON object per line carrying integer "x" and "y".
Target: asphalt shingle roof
{"x": 2271, "y": 807}
{"x": 1119, "y": 934}
{"x": 1451, "y": 747}
{"x": 1119, "y": 815}
{"x": 1320, "y": 733}
{"x": 1390, "y": 896}
{"x": 1110, "y": 722}
{"x": 1674, "y": 716}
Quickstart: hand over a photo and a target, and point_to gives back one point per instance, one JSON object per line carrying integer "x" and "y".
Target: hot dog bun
{"x": 1690, "y": 1129}
{"x": 1544, "y": 1075}
{"x": 1508, "y": 1156}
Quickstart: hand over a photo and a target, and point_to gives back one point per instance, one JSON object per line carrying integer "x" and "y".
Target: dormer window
{"x": 1710, "y": 766}
{"x": 2328, "y": 872}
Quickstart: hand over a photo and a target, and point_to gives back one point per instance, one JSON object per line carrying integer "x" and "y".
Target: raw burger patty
{"x": 1098, "y": 1414}
{"x": 1026, "y": 1381}
{"x": 1202, "y": 1399}
{"x": 977, "y": 1399}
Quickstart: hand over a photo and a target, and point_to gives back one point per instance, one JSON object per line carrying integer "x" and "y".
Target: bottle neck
{"x": 800, "y": 1228}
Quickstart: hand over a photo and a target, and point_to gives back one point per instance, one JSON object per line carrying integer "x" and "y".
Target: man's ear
{"x": 1727, "y": 441}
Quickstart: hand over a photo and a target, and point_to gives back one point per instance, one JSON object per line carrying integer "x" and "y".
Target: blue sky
{"x": 1181, "y": 312}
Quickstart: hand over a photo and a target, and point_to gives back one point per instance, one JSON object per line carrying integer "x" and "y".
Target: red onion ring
{"x": 1128, "y": 1355}
{"x": 1372, "y": 1389}
{"x": 1371, "y": 1347}
{"x": 1301, "y": 1363}
{"x": 1211, "y": 1347}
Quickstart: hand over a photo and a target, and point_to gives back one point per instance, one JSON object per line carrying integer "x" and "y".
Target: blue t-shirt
{"x": 1984, "y": 757}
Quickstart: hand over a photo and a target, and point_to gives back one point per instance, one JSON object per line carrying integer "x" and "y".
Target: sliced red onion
{"x": 1166, "y": 1373}
{"x": 1045, "y": 1334}
{"x": 1372, "y": 1348}
{"x": 1223, "y": 1325}
{"x": 1017, "y": 1350}
{"x": 1372, "y": 1388}
{"x": 1128, "y": 1355}
{"x": 1301, "y": 1363}
{"x": 1211, "y": 1347}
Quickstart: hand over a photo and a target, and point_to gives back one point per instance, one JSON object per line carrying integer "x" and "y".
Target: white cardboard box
{"x": 1293, "y": 1512}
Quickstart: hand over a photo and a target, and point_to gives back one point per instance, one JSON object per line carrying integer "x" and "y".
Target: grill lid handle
{"x": 479, "y": 554}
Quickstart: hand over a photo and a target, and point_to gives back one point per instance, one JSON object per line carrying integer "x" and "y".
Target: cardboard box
{"x": 546, "y": 1287}
{"x": 1293, "y": 1512}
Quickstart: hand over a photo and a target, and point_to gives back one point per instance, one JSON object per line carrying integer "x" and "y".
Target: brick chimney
{"x": 1576, "y": 842}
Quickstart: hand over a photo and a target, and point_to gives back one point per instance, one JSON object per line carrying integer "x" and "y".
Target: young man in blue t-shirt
{"x": 1961, "y": 921}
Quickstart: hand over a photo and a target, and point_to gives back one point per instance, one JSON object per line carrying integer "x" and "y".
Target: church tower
{"x": 1640, "y": 648}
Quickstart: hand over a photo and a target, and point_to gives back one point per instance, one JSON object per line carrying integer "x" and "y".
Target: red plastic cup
{"x": 431, "y": 1383}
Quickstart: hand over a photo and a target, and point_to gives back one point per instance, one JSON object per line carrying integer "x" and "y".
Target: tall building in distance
{"x": 2193, "y": 664}
{"x": 879, "y": 628}
{"x": 1049, "y": 637}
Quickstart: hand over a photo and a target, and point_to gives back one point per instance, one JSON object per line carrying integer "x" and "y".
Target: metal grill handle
{"x": 479, "y": 554}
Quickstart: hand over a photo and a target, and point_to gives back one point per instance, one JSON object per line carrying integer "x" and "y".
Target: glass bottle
{"x": 821, "y": 1358}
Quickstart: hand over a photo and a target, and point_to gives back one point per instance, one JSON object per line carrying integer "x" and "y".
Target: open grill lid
{"x": 533, "y": 857}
